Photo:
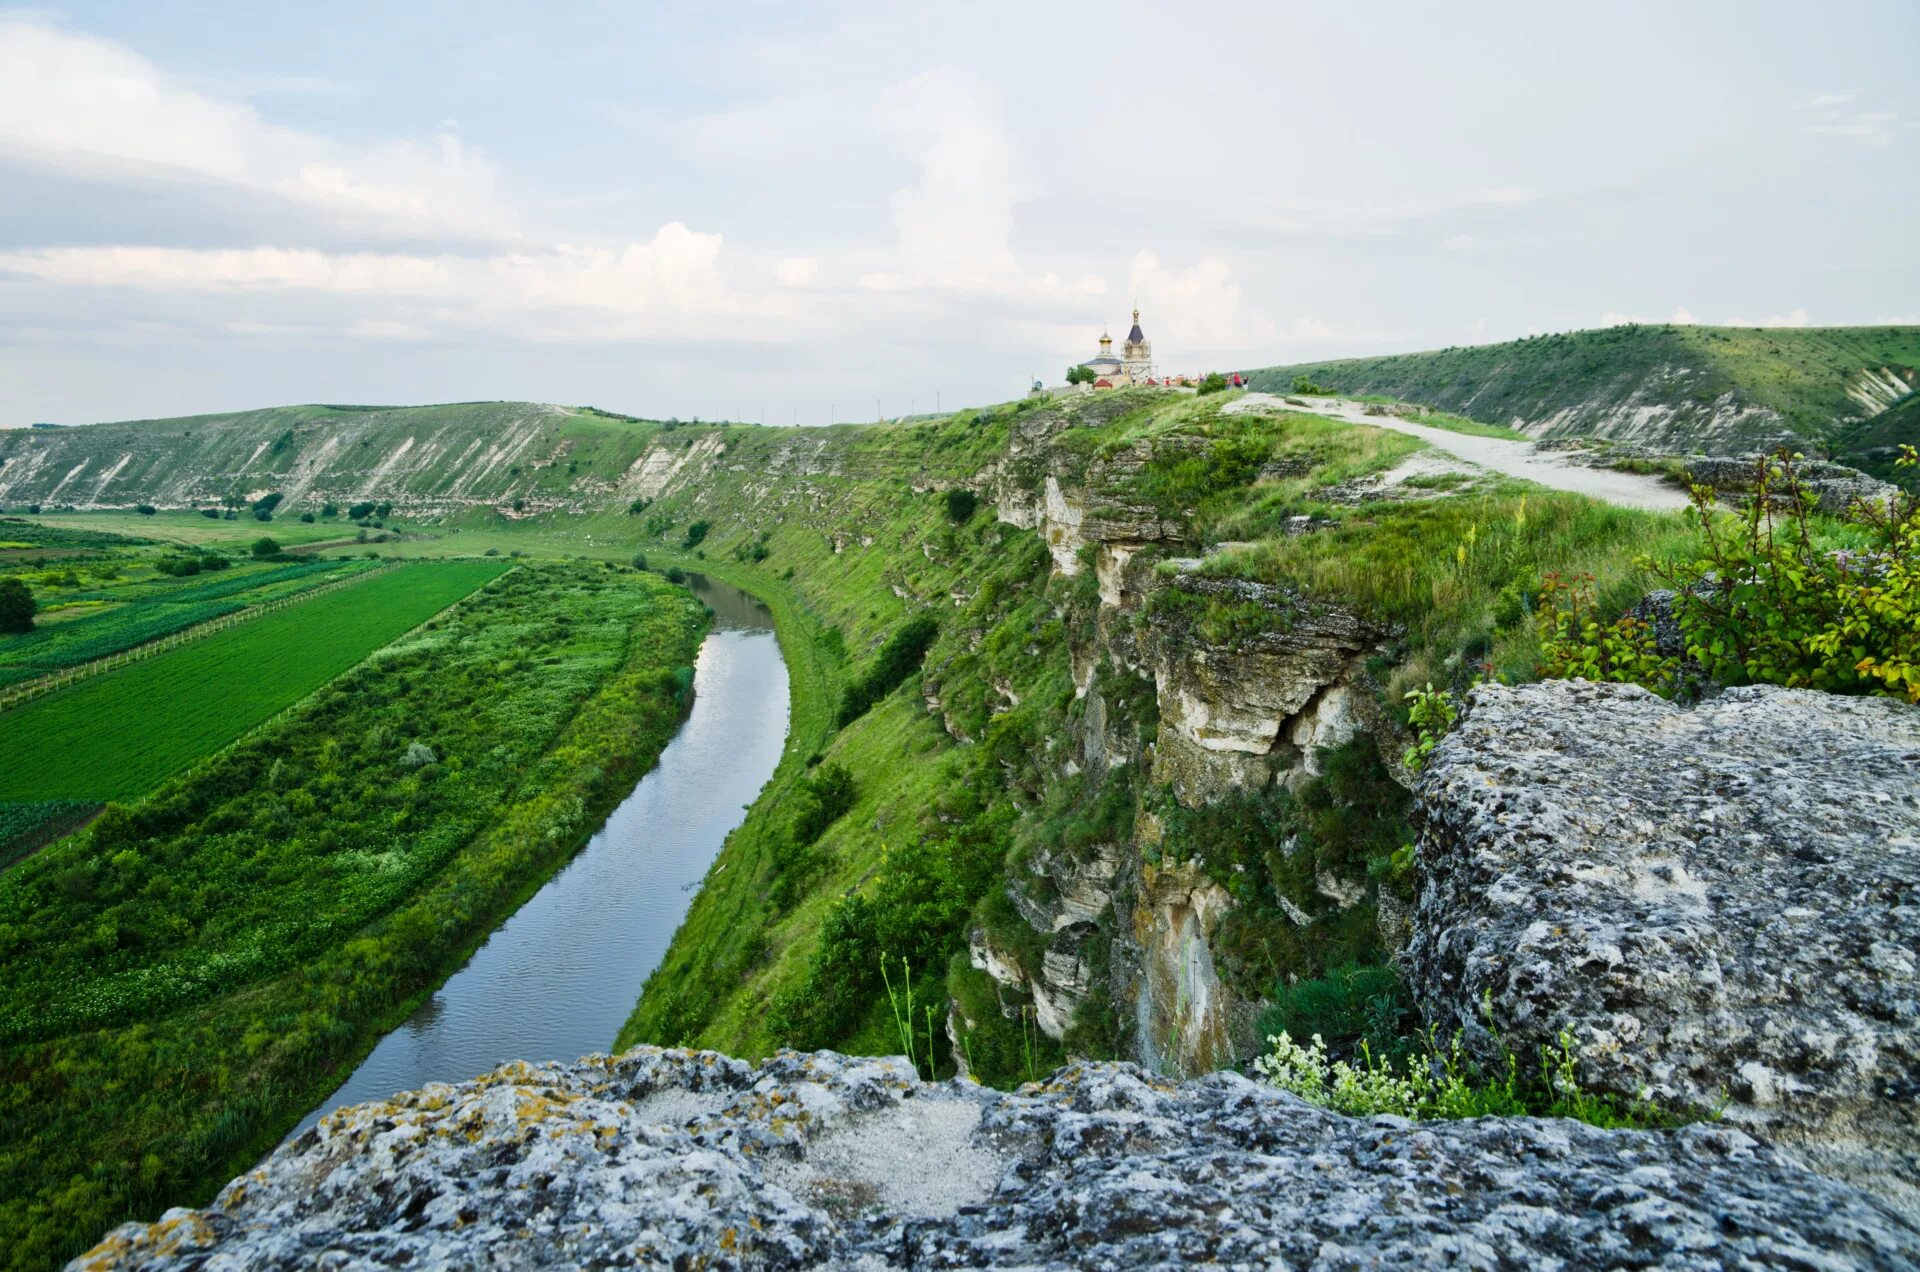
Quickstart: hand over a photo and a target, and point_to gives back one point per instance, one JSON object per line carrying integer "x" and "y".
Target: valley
{"x": 1101, "y": 733}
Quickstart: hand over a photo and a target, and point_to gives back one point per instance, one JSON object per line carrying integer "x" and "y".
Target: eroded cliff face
{"x": 1229, "y": 715}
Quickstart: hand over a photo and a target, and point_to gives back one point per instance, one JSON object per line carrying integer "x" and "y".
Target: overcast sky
{"x": 792, "y": 210}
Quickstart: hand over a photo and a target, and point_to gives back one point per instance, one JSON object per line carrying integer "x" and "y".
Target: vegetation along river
{"x": 557, "y": 979}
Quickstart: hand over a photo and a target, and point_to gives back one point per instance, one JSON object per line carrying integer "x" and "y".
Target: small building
{"x": 1103, "y": 383}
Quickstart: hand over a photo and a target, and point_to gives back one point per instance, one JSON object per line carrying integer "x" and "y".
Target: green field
{"x": 119, "y": 733}
{"x": 192, "y": 529}
{"x": 191, "y": 974}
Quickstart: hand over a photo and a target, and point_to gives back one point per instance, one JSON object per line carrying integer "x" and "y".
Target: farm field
{"x": 83, "y": 618}
{"x": 200, "y": 966}
{"x": 193, "y": 530}
{"x": 118, "y": 734}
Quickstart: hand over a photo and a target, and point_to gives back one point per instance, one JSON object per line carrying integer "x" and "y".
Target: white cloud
{"x": 1461, "y": 243}
{"x": 672, "y": 285}
{"x": 1798, "y": 318}
{"x": 1681, "y": 317}
{"x": 796, "y": 271}
{"x": 85, "y": 105}
{"x": 1202, "y": 308}
{"x": 1874, "y": 129}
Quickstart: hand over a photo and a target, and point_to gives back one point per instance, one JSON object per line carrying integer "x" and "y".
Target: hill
{"x": 421, "y": 458}
{"x": 1718, "y": 389}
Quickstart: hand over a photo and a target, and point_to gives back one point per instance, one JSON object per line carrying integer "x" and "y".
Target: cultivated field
{"x": 118, "y": 734}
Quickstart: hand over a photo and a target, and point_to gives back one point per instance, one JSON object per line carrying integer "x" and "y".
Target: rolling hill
{"x": 1718, "y": 389}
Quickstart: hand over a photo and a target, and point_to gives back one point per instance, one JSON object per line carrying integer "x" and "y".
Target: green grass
{"x": 190, "y": 529}
{"x": 119, "y": 733}
{"x": 190, "y": 975}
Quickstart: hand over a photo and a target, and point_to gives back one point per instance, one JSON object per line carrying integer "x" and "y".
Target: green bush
{"x": 960, "y": 505}
{"x": 17, "y": 606}
{"x": 898, "y": 658}
{"x": 1213, "y": 382}
{"x": 264, "y": 547}
{"x": 696, "y": 534}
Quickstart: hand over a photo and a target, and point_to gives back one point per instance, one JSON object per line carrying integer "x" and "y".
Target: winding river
{"x": 559, "y": 977}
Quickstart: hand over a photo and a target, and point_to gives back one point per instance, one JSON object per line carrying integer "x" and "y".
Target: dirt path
{"x": 1515, "y": 459}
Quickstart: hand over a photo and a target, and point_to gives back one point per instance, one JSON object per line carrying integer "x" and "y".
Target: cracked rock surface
{"x": 1721, "y": 903}
{"x": 663, "y": 1158}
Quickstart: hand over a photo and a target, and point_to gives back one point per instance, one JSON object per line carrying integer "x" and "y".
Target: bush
{"x": 145, "y": 510}
{"x": 1305, "y": 384}
{"x": 898, "y": 658}
{"x": 211, "y": 514}
{"x": 329, "y": 509}
{"x": 17, "y": 606}
{"x": 1213, "y": 383}
{"x": 676, "y": 575}
{"x": 637, "y": 507}
{"x": 264, "y": 547}
{"x": 639, "y": 561}
{"x": 267, "y": 503}
{"x": 1080, "y": 375}
{"x": 261, "y": 514}
{"x": 360, "y": 511}
{"x": 697, "y": 534}
{"x": 307, "y": 517}
{"x": 1766, "y": 597}
{"x": 960, "y": 506}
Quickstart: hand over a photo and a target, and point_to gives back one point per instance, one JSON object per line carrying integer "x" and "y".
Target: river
{"x": 559, "y": 977}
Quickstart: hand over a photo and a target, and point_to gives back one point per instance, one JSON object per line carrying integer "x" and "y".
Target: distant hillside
{"x": 424, "y": 458}
{"x": 1710, "y": 388}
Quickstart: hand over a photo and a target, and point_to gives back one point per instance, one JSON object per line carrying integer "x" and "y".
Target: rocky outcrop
{"x": 1834, "y": 487}
{"x": 690, "y": 1159}
{"x": 1235, "y": 714}
{"x": 1719, "y": 903}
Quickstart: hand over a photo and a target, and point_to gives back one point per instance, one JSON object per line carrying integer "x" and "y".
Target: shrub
{"x": 1080, "y": 375}
{"x": 329, "y": 509}
{"x": 637, "y": 507}
{"x": 898, "y": 658}
{"x": 1432, "y": 713}
{"x": 639, "y": 561}
{"x": 307, "y": 517}
{"x": 960, "y": 506}
{"x": 145, "y": 510}
{"x": 211, "y": 514}
{"x": 265, "y": 547}
{"x": 17, "y": 606}
{"x": 697, "y": 534}
{"x": 267, "y": 503}
{"x": 360, "y": 510}
{"x": 1762, "y": 601}
{"x": 1575, "y": 645}
{"x": 1214, "y": 382}
{"x": 1305, "y": 384}
{"x": 261, "y": 514}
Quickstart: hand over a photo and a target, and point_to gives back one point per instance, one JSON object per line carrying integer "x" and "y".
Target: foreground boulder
{"x": 689, "y": 1159}
{"x": 1721, "y": 903}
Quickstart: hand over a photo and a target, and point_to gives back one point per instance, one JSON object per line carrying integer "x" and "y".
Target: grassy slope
{"x": 424, "y": 456}
{"x": 540, "y": 727}
{"x": 1801, "y": 374}
{"x": 117, "y": 734}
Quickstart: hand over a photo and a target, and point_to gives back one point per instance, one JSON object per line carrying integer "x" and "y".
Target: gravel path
{"x": 1515, "y": 459}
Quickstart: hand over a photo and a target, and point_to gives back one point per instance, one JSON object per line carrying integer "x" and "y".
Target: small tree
{"x": 697, "y": 533}
{"x": 960, "y": 506}
{"x": 1213, "y": 383}
{"x": 145, "y": 510}
{"x": 17, "y": 606}
{"x": 1080, "y": 375}
{"x": 265, "y": 547}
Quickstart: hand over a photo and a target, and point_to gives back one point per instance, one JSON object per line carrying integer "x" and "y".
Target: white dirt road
{"x": 1515, "y": 459}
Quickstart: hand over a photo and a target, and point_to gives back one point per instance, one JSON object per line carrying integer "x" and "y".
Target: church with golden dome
{"x": 1133, "y": 366}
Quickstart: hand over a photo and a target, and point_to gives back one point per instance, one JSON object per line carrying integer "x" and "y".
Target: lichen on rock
{"x": 1721, "y": 903}
{"x": 666, "y": 1158}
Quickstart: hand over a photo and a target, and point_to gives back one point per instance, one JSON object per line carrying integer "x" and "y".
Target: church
{"x": 1133, "y": 366}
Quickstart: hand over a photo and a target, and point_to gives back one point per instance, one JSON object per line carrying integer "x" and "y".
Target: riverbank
{"x": 158, "y": 1107}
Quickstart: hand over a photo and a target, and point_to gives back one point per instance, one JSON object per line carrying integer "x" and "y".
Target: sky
{"x": 809, "y": 212}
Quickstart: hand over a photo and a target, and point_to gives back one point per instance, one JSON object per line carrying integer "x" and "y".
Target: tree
{"x": 1080, "y": 375}
{"x": 359, "y": 510}
{"x": 307, "y": 517}
{"x": 145, "y": 510}
{"x": 329, "y": 509}
{"x": 1213, "y": 383}
{"x": 637, "y": 507}
{"x": 960, "y": 506}
{"x": 265, "y": 547}
{"x": 697, "y": 532}
{"x": 211, "y": 514}
{"x": 267, "y": 503}
{"x": 262, "y": 514}
{"x": 17, "y": 605}
{"x": 382, "y": 511}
